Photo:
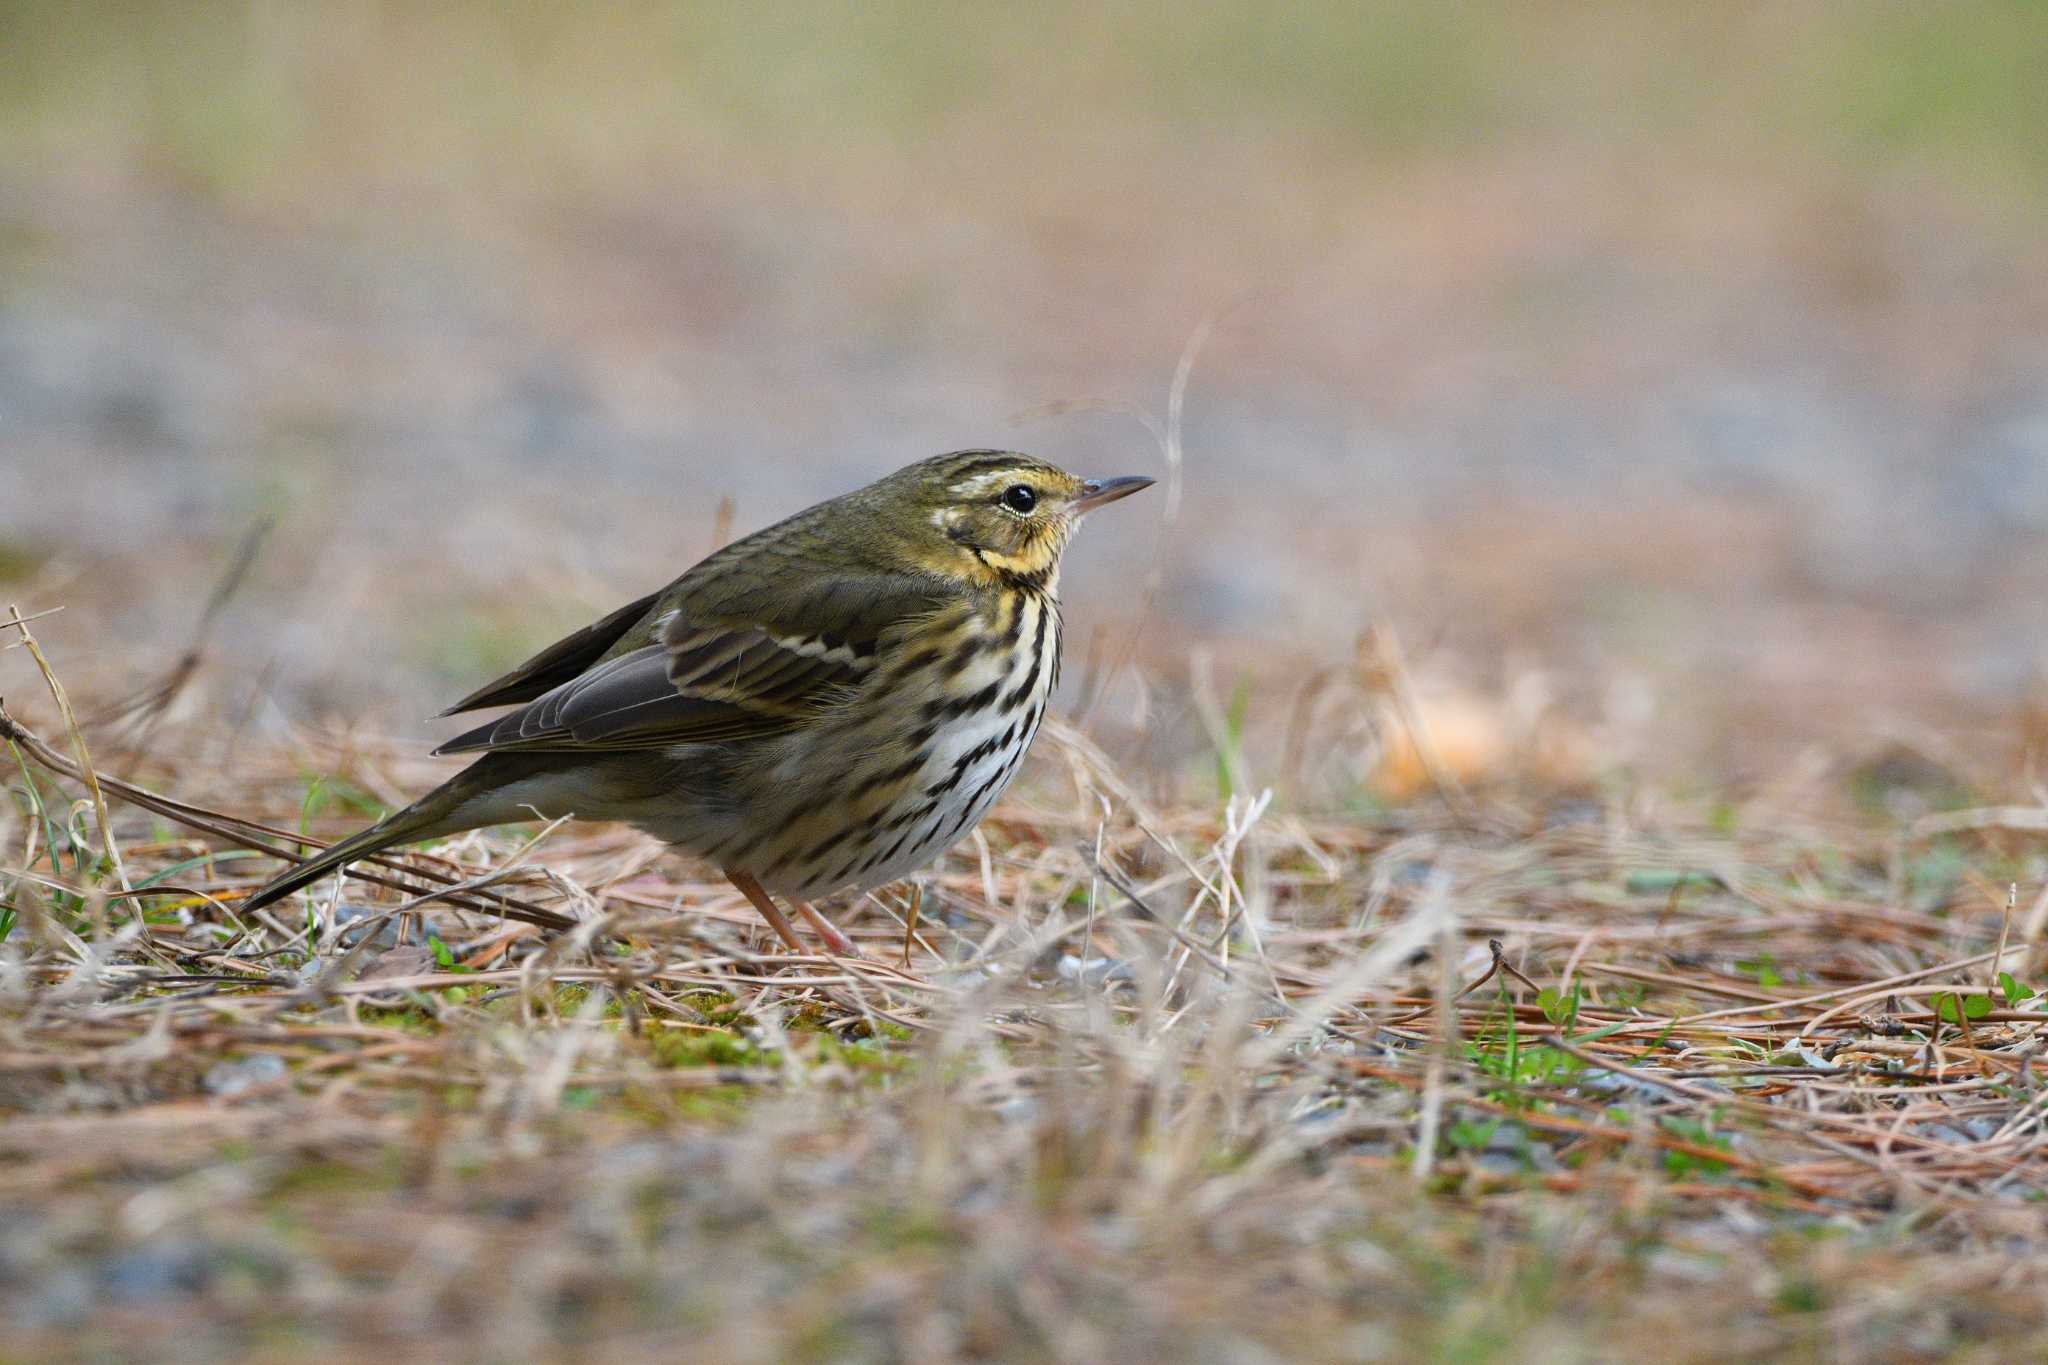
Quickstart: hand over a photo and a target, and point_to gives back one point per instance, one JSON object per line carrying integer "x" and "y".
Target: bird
{"x": 823, "y": 706}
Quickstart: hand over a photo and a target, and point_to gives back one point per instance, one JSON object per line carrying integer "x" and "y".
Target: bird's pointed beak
{"x": 1098, "y": 492}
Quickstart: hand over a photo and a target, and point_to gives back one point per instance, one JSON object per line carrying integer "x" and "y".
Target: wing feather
{"x": 560, "y": 662}
{"x": 708, "y": 679}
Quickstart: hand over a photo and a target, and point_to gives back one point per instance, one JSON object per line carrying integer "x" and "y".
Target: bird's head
{"x": 995, "y": 517}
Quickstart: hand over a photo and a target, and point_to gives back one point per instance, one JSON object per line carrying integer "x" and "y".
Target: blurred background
{"x": 1676, "y": 375}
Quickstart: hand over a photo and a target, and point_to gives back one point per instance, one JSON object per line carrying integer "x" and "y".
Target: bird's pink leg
{"x": 839, "y": 943}
{"x": 777, "y": 921}
{"x": 834, "y": 939}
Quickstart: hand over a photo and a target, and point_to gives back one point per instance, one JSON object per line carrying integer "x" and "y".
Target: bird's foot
{"x": 835, "y": 940}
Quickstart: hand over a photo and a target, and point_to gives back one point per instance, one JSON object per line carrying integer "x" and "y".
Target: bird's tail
{"x": 449, "y": 808}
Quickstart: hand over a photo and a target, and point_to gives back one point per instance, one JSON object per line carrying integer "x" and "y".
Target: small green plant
{"x": 700, "y": 1047}
{"x": 1626, "y": 998}
{"x": 1562, "y": 1011}
{"x": 35, "y": 807}
{"x": 323, "y": 792}
{"x": 1499, "y": 1051}
{"x": 71, "y": 859}
{"x": 1699, "y": 1134}
{"x": 1469, "y": 1136}
{"x": 1799, "y": 1295}
{"x": 1763, "y": 968}
{"x": 1230, "y": 744}
{"x": 1953, "y": 1008}
{"x": 207, "y": 861}
{"x": 2013, "y": 991}
{"x": 444, "y": 956}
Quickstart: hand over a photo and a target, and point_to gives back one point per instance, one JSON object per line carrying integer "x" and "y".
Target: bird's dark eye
{"x": 1020, "y": 497}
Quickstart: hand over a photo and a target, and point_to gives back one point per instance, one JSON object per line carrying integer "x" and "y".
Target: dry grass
{"x": 1669, "y": 373}
{"x": 1529, "y": 1074}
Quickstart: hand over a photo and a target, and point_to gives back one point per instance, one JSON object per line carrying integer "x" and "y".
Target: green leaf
{"x": 2013, "y": 991}
{"x": 1230, "y": 751}
{"x": 1471, "y": 1137}
{"x": 1604, "y": 1031}
{"x": 203, "y": 860}
{"x": 1699, "y": 1134}
{"x": 1559, "y": 1009}
{"x": 311, "y": 803}
{"x": 32, "y": 796}
{"x": 1763, "y": 967}
{"x": 1952, "y": 1008}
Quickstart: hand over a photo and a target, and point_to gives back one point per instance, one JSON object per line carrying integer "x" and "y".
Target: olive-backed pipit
{"x": 825, "y": 705}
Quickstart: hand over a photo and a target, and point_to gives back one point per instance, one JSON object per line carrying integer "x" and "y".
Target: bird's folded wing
{"x": 562, "y": 661}
{"x": 711, "y": 679}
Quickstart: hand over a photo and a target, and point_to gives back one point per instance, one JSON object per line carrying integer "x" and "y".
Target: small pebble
{"x": 1096, "y": 971}
{"x": 63, "y": 1298}
{"x": 158, "y": 1272}
{"x": 228, "y": 1079}
{"x": 345, "y": 915}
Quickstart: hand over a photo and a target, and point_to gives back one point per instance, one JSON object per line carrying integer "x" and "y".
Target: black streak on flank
{"x": 827, "y": 844}
{"x": 967, "y": 651}
{"x": 974, "y": 802}
{"x": 890, "y": 776}
{"x": 893, "y": 849}
{"x": 952, "y": 779}
{"x": 913, "y": 815}
{"x": 1030, "y": 683}
{"x": 972, "y": 757}
{"x": 946, "y": 708}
